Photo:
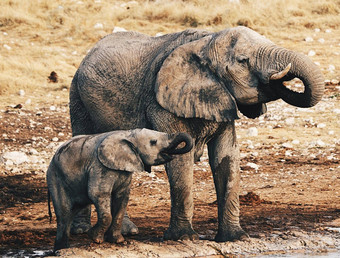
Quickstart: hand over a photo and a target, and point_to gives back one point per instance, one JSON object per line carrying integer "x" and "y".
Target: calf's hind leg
{"x": 64, "y": 214}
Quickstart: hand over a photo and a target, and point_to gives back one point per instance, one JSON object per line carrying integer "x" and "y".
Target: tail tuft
{"x": 49, "y": 205}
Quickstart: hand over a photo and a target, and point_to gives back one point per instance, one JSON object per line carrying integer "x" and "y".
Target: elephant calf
{"x": 98, "y": 169}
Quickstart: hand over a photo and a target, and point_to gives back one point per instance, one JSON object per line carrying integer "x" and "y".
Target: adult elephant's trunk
{"x": 291, "y": 65}
{"x": 180, "y": 138}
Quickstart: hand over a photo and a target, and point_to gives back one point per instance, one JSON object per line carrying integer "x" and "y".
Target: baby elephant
{"x": 98, "y": 169}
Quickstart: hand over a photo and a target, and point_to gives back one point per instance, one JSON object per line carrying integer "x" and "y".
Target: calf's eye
{"x": 153, "y": 142}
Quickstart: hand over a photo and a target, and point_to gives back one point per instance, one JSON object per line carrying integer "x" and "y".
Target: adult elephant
{"x": 196, "y": 82}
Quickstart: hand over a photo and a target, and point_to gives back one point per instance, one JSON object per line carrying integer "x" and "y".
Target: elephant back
{"x": 115, "y": 82}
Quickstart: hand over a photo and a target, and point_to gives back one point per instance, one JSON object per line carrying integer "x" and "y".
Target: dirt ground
{"x": 290, "y": 177}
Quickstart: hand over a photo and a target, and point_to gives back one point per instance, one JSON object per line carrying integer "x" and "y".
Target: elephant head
{"x": 141, "y": 149}
{"x": 235, "y": 69}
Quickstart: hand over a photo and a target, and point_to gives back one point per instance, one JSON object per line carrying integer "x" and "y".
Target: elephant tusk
{"x": 279, "y": 75}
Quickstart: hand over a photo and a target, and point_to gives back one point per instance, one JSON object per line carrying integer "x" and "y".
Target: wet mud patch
{"x": 18, "y": 189}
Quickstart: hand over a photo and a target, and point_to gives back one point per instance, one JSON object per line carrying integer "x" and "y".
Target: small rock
{"x": 7, "y": 47}
{"x": 55, "y": 139}
{"x": 321, "y": 125}
{"x": 28, "y": 101}
{"x": 334, "y": 81}
{"x": 53, "y": 77}
{"x": 308, "y": 39}
{"x": 295, "y": 142}
{"x": 53, "y": 108}
{"x": 18, "y": 106}
{"x": 311, "y": 53}
{"x": 34, "y": 159}
{"x": 328, "y": 31}
{"x": 318, "y": 143}
{"x": 152, "y": 174}
{"x": 252, "y": 165}
{"x": 287, "y": 145}
{"x": 290, "y": 120}
{"x": 336, "y": 110}
{"x": 9, "y": 163}
{"x": 331, "y": 68}
{"x": 17, "y": 157}
{"x": 321, "y": 40}
{"x": 98, "y": 26}
{"x": 252, "y": 131}
{"x": 21, "y": 93}
{"x": 317, "y": 30}
{"x": 288, "y": 153}
{"x": 33, "y": 151}
{"x": 118, "y": 29}
{"x": 249, "y": 144}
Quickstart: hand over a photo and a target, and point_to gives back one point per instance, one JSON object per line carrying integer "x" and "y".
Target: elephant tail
{"x": 81, "y": 122}
{"x": 49, "y": 205}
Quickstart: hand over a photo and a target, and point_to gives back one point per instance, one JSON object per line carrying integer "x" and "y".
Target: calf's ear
{"x": 119, "y": 154}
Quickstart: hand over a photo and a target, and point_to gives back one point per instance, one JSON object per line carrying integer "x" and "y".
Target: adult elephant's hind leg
{"x": 180, "y": 174}
{"x": 224, "y": 162}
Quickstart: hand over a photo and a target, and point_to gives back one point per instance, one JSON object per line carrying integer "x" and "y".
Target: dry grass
{"x": 38, "y": 37}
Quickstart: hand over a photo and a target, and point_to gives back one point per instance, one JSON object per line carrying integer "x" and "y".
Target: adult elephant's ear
{"x": 187, "y": 87}
{"x": 118, "y": 153}
{"x": 252, "y": 111}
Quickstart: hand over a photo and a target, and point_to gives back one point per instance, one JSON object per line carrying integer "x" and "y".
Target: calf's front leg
{"x": 102, "y": 205}
{"x": 120, "y": 199}
{"x": 224, "y": 161}
{"x": 100, "y": 184}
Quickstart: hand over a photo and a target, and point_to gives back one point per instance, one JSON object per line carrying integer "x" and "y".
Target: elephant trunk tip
{"x": 301, "y": 67}
{"x": 180, "y": 138}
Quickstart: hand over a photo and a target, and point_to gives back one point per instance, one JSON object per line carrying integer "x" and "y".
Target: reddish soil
{"x": 294, "y": 192}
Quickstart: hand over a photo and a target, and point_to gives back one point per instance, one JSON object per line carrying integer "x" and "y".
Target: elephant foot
{"x": 128, "y": 227}
{"x": 231, "y": 234}
{"x": 186, "y": 233}
{"x": 94, "y": 234}
{"x": 80, "y": 227}
{"x": 60, "y": 245}
{"x": 118, "y": 239}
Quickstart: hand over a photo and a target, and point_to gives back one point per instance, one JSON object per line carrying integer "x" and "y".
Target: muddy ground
{"x": 290, "y": 178}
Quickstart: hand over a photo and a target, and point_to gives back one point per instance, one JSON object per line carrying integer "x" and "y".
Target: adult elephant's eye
{"x": 153, "y": 142}
{"x": 242, "y": 59}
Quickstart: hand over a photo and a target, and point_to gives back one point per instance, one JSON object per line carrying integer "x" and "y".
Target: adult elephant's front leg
{"x": 224, "y": 162}
{"x": 180, "y": 174}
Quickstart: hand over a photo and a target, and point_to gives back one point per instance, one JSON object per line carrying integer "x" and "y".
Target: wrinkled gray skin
{"x": 196, "y": 82}
{"x": 98, "y": 169}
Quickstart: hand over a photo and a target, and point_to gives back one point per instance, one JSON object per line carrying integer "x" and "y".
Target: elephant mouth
{"x": 164, "y": 157}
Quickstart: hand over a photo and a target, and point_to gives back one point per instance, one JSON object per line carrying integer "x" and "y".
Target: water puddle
{"x": 333, "y": 229}
{"x": 27, "y": 253}
{"x": 323, "y": 255}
